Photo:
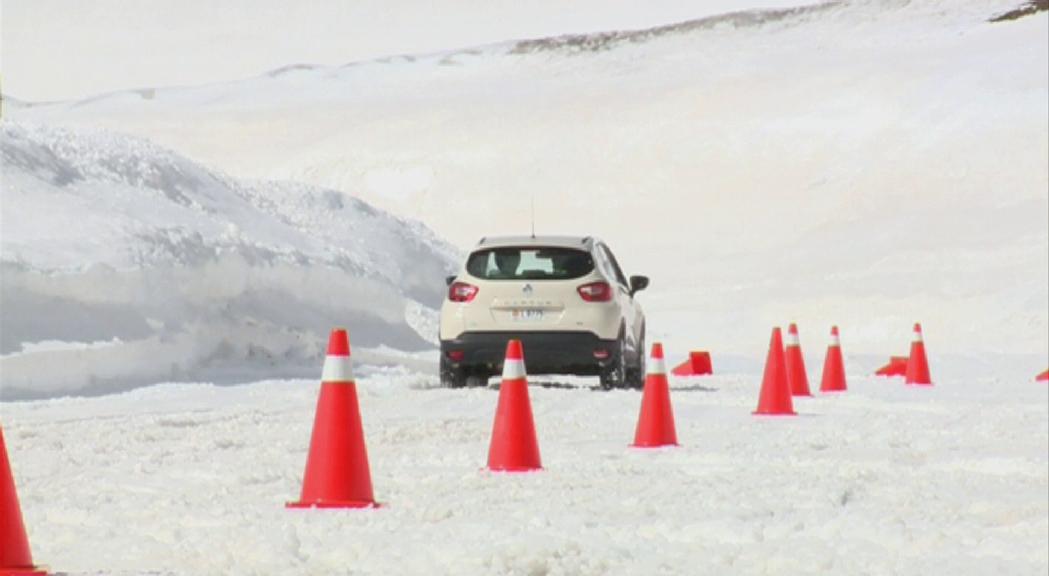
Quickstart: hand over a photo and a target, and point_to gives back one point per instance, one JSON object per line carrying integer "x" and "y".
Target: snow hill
{"x": 869, "y": 163}
{"x": 125, "y": 264}
{"x": 176, "y": 41}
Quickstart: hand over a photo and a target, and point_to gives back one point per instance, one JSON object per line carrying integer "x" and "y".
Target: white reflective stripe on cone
{"x": 337, "y": 369}
{"x": 835, "y": 340}
{"x": 657, "y": 366}
{"x": 513, "y": 370}
{"x": 917, "y": 337}
{"x": 792, "y": 340}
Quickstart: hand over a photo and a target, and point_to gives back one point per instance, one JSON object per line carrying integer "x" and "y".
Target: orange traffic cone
{"x": 796, "y": 376}
{"x": 698, "y": 364}
{"x": 918, "y": 364}
{"x": 775, "y": 390}
{"x": 897, "y": 366}
{"x": 514, "y": 447}
{"x": 15, "y": 559}
{"x": 833, "y": 366}
{"x": 337, "y": 473}
{"x": 655, "y": 424}
{"x": 1043, "y": 377}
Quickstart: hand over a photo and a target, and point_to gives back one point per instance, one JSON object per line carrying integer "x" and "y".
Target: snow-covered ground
{"x": 867, "y": 163}
{"x": 884, "y": 479}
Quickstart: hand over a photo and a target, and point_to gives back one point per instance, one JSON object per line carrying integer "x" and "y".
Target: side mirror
{"x": 448, "y": 280}
{"x": 638, "y": 283}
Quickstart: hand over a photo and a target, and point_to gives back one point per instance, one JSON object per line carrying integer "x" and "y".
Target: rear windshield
{"x": 529, "y": 264}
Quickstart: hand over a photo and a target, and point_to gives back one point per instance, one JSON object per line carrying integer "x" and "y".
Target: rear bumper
{"x": 544, "y": 352}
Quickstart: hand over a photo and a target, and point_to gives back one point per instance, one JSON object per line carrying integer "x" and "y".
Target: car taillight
{"x": 461, "y": 292}
{"x": 456, "y": 355}
{"x": 596, "y": 292}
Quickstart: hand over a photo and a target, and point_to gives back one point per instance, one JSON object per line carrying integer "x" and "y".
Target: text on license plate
{"x": 526, "y": 314}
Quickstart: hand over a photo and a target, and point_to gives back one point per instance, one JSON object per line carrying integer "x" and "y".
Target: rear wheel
{"x": 636, "y": 372}
{"x": 620, "y": 373}
{"x": 451, "y": 377}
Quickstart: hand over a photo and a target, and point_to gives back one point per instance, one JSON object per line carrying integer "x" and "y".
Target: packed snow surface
{"x": 191, "y": 479}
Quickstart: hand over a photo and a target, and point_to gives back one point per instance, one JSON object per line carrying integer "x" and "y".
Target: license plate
{"x": 526, "y": 314}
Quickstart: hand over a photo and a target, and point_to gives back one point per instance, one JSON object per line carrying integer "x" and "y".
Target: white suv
{"x": 565, "y": 298}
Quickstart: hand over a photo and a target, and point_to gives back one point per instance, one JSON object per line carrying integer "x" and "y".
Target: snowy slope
{"x": 868, "y": 163}
{"x": 124, "y": 263}
{"x": 884, "y": 479}
{"x": 108, "y": 45}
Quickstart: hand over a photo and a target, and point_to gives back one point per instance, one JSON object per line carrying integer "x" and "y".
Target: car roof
{"x": 578, "y": 242}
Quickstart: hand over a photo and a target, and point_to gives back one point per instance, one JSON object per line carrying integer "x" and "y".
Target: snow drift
{"x": 124, "y": 263}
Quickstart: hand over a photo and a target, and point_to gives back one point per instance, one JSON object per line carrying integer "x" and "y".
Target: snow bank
{"x": 184, "y": 272}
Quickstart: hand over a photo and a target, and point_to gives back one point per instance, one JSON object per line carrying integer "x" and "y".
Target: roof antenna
{"x": 533, "y": 215}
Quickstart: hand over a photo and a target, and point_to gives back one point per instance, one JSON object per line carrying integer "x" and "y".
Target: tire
{"x": 450, "y": 377}
{"x": 636, "y": 373}
{"x": 617, "y": 375}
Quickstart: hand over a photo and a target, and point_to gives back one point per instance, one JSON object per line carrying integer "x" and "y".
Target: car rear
{"x": 550, "y": 295}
